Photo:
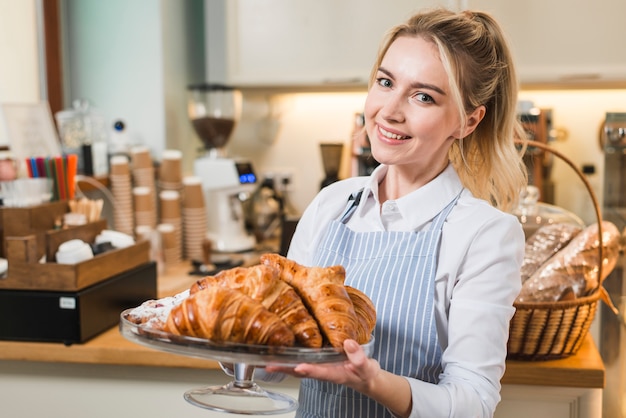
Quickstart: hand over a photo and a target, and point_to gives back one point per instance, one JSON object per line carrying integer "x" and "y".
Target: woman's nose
{"x": 393, "y": 108}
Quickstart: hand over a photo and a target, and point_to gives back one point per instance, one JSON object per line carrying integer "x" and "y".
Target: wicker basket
{"x": 554, "y": 330}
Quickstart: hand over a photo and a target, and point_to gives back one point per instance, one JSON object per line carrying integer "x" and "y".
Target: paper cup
{"x": 193, "y": 195}
{"x": 169, "y": 204}
{"x": 168, "y": 235}
{"x": 170, "y": 170}
{"x": 140, "y": 157}
{"x": 120, "y": 165}
{"x": 143, "y": 199}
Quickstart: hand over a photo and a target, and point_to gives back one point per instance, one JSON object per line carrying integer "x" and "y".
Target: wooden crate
{"x": 26, "y": 273}
{"x": 35, "y": 220}
{"x": 87, "y": 233}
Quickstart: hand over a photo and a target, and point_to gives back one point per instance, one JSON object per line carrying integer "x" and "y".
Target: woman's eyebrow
{"x": 415, "y": 84}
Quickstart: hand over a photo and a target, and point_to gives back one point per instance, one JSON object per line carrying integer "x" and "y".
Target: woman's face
{"x": 411, "y": 118}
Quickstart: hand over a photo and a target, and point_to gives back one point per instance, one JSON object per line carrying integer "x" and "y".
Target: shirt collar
{"x": 423, "y": 204}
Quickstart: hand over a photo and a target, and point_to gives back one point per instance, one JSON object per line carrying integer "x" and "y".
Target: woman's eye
{"x": 424, "y": 98}
{"x": 383, "y": 82}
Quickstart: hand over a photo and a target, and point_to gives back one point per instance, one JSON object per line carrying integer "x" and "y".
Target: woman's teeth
{"x": 390, "y": 135}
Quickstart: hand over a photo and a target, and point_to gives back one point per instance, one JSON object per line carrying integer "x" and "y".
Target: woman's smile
{"x": 391, "y": 135}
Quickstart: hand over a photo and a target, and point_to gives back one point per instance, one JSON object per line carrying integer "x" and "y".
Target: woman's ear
{"x": 473, "y": 120}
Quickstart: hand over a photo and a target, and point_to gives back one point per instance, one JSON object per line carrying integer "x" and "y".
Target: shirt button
{"x": 390, "y": 207}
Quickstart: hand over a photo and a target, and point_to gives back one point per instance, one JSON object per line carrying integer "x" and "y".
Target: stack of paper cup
{"x": 170, "y": 250}
{"x": 170, "y": 209}
{"x": 121, "y": 189}
{"x": 143, "y": 168}
{"x": 147, "y": 233}
{"x": 141, "y": 161}
{"x": 170, "y": 171}
{"x": 194, "y": 218}
{"x": 145, "y": 209}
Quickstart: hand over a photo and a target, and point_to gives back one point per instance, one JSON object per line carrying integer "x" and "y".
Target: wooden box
{"x": 74, "y": 317}
{"x": 26, "y": 273}
{"x": 35, "y": 220}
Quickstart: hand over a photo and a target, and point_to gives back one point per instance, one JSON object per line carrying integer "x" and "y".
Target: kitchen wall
{"x": 19, "y": 55}
{"x": 580, "y": 113}
{"x": 134, "y": 60}
{"x": 288, "y": 139}
{"x": 279, "y": 132}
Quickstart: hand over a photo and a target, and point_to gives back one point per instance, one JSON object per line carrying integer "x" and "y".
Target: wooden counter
{"x": 583, "y": 370}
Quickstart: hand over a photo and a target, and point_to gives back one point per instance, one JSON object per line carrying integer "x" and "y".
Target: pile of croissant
{"x": 277, "y": 302}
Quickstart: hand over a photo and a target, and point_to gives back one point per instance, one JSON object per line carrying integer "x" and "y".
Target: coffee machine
{"x": 612, "y": 327}
{"x": 537, "y": 124}
{"x": 214, "y": 110}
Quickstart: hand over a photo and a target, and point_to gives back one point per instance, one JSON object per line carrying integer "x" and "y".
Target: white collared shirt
{"x": 477, "y": 280}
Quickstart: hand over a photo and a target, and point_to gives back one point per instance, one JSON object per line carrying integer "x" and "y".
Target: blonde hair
{"x": 480, "y": 69}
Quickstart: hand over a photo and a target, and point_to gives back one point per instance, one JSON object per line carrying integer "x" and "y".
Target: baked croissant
{"x": 261, "y": 283}
{"x": 365, "y": 312}
{"x": 221, "y": 314}
{"x": 287, "y": 268}
{"x": 323, "y": 292}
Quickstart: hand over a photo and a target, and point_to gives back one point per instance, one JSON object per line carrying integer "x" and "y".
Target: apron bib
{"x": 396, "y": 269}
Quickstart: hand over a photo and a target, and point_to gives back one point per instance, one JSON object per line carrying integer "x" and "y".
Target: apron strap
{"x": 353, "y": 203}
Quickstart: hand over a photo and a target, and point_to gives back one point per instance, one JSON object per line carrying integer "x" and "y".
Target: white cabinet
{"x": 284, "y": 42}
{"x": 564, "y": 40}
{"x": 522, "y": 401}
{"x": 334, "y": 42}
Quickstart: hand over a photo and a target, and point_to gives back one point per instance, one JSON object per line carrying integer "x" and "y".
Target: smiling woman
{"x": 427, "y": 242}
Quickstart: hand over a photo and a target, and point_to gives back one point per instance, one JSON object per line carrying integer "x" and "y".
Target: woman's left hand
{"x": 356, "y": 372}
{"x": 362, "y": 374}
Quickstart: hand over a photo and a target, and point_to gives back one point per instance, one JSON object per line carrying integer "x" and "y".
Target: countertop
{"x": 585, "y": 369}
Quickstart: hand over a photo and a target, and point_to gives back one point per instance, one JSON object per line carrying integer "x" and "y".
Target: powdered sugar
{"x": 153, "y": 313}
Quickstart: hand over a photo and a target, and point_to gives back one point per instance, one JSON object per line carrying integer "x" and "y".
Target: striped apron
{"x": 397, "y": 271}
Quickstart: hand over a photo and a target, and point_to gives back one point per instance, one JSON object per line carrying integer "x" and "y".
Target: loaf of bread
{"x": 548, "y": 240}
{"x": 573, "y": 271}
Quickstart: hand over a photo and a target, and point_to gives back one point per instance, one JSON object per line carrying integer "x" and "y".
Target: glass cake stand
{"x": 242, "y": 395}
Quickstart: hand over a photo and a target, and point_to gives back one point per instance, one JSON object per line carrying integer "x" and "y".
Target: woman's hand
{"x": 360, "y": 373}
{"x": 356, "y": 372}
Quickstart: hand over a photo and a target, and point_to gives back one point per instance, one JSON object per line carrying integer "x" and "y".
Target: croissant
{"x": 365, "y": 312}
{"x": 222, "y": 314}
{"x": 323, "y": 293}
{"x": 287, "y": 268}
{"x": 261, "y": 283}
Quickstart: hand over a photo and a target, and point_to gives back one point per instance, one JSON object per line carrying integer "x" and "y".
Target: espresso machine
{"x": 214, "y": 110}
{"x": 613, "y": 327}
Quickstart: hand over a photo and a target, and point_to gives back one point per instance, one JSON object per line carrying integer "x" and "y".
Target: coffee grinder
{"x": 214, "y": 110}
{"x": 331, "y": 159}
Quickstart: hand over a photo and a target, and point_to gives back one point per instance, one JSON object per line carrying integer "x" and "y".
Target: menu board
{"x": 30, "y": 130}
